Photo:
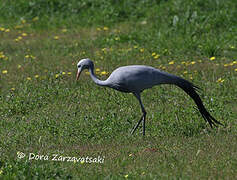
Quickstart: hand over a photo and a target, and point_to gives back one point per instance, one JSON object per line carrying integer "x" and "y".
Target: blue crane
{"x": 136, "y": 78}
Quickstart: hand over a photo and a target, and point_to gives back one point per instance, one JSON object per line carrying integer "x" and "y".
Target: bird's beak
{"x": 78, "y": 73}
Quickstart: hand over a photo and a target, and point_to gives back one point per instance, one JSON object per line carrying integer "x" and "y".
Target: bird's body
{"x": 136, "y": 78}
{"x": 126, "y": 78}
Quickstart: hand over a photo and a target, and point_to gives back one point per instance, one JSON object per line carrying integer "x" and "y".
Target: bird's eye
{"x": 79, "y": 66}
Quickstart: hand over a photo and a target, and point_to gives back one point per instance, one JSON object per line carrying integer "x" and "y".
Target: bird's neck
{"x": 95, "y": 79}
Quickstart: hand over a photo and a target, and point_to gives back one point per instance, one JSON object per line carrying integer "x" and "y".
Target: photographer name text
{"x": 61, "y": 158}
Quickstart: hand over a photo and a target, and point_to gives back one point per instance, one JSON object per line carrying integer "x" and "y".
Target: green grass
{"x": 44, "y": 111}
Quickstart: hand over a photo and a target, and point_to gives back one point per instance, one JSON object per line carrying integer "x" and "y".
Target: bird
{"x": 136, "y": 78}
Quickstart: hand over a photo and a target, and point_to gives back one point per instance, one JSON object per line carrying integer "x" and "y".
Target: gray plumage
{"x": 136, "y": 78}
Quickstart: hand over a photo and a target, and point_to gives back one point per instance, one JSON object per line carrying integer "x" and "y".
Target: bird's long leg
{"x": 143, "y": 118}
{"x": 136, "y": 126}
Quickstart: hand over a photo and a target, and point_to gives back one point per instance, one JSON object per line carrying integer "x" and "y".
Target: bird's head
{"x": 84, "y": 64}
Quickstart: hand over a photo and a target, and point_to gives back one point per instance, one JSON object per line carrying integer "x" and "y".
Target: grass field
{"x": 45, "y": 115}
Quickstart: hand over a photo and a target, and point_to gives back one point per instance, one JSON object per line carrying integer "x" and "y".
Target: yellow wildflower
{"x": 63, "y": 73}
{"x": 7, "y": 30}
{"x": 106, "y": 28}
{"x": 220, "y": 80}
{"x": 36, "y": 76}
{"x": 185, "y": 72}
{"x": 82, "y": 162}
{"x": 156, "y": 56}
{"x": 69, "y": 73}
{"x": 2, "y": 29}
{"x": 56, "y": 37}
{"x": 24, "y": 34}
{"x": 64, "y": 30}
{"x": 18, "y": 66}
{"x": 130, "y": 155}
{"x": 193, "y": 62}
{"x": 103, "y": 73}
{"x": 142, "y": 50}
{"x": 56, "y": 75}
{"x": 87, "y": 73}
{"x": 98, "y": 29}
{"x": 97, "y": 69}
{"x": 153, "y": 54}
{"x": 126, "y": 176}
{"x": 4, "y": 71}
{"x": 171, "y": 62}
{"x": 2, "y": 56}
{"x": 28, "y": 78}
{"x": 236, "y": 70}
{"x": 1, "y": 171}
{"x": 212, "y": 58}
{"x": 13, "y": 89}
{"x": 27, "y": 56}
{"x": 135, "y": 47}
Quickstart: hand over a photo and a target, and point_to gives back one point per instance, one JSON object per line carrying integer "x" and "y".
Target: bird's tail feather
{"x": 192, "y": 90}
